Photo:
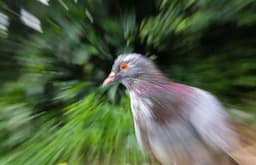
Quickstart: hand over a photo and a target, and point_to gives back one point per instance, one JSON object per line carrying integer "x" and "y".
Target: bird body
{"x": 175, "y": 124}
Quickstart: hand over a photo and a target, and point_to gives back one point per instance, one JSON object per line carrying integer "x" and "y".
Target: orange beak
{"x": 109, "y": 79}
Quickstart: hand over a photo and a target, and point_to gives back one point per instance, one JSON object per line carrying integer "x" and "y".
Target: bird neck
{"x": 146, "y": 82}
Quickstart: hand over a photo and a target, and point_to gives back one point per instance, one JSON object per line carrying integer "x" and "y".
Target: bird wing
{"x": 219, "y": 131}
{"x": 210, "y": 120}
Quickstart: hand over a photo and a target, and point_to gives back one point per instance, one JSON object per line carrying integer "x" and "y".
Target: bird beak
{"x": 109, "y": 79}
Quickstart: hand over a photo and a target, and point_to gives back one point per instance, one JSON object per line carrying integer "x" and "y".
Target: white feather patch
{"x": 142, "y": 108}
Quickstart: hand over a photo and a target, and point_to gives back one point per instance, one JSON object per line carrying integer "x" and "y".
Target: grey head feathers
{"x": 134, "y": 60}
{"x": 140, "y": 68}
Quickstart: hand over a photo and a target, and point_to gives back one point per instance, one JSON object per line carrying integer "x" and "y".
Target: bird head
{"x": 128, "y": 68}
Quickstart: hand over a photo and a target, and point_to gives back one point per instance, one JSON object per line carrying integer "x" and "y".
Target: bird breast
{"x": 153, "y": 136}
{"x": 141, "y": 114}
{"x": 157, "y": 139}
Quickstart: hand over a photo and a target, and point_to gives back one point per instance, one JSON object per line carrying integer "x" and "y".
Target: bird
{"x": 177, "y": 124}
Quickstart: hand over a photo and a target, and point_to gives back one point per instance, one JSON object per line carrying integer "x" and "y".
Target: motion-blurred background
{"x": 54, "y": 55}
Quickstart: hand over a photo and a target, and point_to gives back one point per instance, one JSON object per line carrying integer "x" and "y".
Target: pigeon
{"x": 177, "y": 124}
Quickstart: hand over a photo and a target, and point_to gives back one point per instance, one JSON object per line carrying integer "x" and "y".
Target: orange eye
{"x": 123, "y": 66}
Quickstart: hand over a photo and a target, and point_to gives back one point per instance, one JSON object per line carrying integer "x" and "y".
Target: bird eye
{"x": 123, "y": 66}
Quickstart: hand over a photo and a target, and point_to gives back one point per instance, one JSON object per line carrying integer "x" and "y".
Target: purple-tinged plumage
{"x": 175, "y": 124}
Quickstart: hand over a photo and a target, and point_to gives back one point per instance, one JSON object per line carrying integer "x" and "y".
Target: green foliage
{"x": 207, "y": 44}
{"x": 52, "y": 109}
{"x": 91, "y": 133}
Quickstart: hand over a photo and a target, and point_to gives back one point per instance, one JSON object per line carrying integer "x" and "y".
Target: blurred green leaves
{"x": 90, "y": 134}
